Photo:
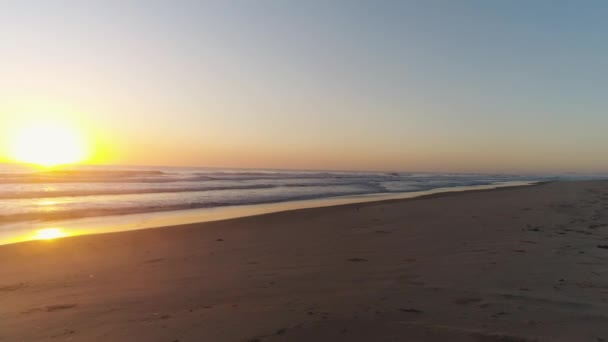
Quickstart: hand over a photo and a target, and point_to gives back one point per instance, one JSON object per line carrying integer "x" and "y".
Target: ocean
{"x": 33, "y": 198}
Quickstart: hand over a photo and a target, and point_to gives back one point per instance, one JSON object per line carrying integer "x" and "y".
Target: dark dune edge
{"x": 511, "y": 264}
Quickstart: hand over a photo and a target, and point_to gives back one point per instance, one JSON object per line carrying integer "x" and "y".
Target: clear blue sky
{"x": 392, "y": 85}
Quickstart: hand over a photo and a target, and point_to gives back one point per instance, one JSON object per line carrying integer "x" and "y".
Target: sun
{"x": 47, "y": 144}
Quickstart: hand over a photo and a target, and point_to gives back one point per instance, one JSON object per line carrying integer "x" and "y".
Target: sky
{"x": 458, "y": 86}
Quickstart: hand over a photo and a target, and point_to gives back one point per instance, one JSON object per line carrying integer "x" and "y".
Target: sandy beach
{"x": 512, "y": 264}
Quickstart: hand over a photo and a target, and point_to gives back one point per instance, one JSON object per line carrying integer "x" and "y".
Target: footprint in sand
{"x": 66, "y": 332}
{"x": 52, "y": 308}
{"x": 13, "y": 287}
{"x": 152, "y": 261}
{"x": 467, "y": 300}
{"x": 498, "y": 314}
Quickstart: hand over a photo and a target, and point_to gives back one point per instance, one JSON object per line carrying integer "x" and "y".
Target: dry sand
{"x": 517, "y": 264}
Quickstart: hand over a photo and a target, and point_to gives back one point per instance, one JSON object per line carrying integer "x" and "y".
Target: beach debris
{"x": 602, "y": 246}
{"x": 281, "y": 331}
{"x": 219, "y": 240}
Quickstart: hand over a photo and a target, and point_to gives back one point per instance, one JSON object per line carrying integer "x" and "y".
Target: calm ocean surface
{"x": 31, "y": 196}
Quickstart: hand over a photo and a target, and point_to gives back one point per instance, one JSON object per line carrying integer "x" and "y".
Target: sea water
{"x": 31, "y": 198}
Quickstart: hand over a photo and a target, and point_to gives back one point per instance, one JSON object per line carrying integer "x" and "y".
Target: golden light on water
{"x": 47, "y": 144}
{"x": 49, "y": 234}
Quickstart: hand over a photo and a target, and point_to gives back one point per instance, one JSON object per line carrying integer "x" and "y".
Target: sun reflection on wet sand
{"x": 50, "y": 234}
{"x": 47, "y": 202}
{"x": 47, "y": 205}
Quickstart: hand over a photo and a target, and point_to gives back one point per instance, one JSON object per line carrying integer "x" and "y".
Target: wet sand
{"x": 512, "y": 264}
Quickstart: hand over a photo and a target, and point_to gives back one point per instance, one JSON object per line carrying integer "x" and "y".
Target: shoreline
{"x": 486, "y": 265}
{"x": 18, "y": 232}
